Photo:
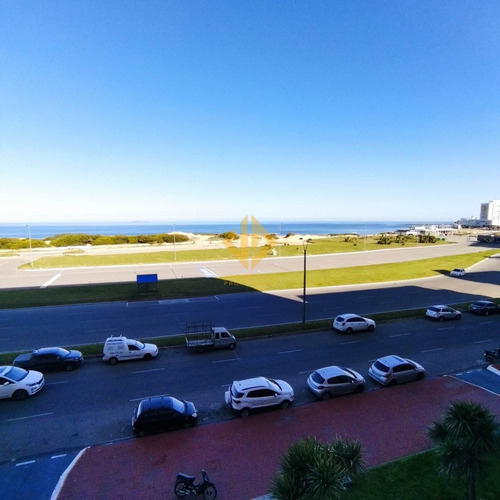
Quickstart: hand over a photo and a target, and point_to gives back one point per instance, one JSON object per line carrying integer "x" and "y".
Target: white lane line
{"x": 400, "y": 335}
{"x": 485, "y": 322}
{"x": 483, "y": 341}
{"x": 29, "y": 462}
{"x": 446, "y": 328}
{"x": 351, "y": 342}
{"x": 30, "y": 416}
{"x": 432, "y": 350}
{"x": 226, "y": 360}
{"x": 288, "y": 352}
{"x": 207, "y": 272}
{"x": 47, "y": 283}
{"x": 152, "y": 370}
{"x": 54, "y": 383}
{"x": 58, "y": 456}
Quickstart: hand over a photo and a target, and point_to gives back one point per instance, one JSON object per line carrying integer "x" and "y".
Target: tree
{"x": 310, "y": 470}
{"x": 467, "y": 435}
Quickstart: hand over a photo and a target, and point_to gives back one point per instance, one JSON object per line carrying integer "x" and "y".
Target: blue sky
{"x": 212, "y": 110}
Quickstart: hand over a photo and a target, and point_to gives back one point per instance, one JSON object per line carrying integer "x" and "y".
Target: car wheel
{"x": 371, "y": 328}
{"x": 393, "y": 382}
{"x": 326, "y": 395}
{"x": 360, "y": 388}
{"x": 19, "y": 395}
{"x": 486, "y": 313}
{"x": 441, "y": 318}
{"x": 245, "y": 412}
{"x": 420, "y": 375}
{"x": 349, "y": 330}
{"x": 68, "y": 367}
{"x": 113, "y": 361}
{"x": 201, "y": 350}
{"x": 285, "y": 404}
{"x": 232, "y": 346}
{"x": 148, "y": 357}
{"x": 458, "y": 316}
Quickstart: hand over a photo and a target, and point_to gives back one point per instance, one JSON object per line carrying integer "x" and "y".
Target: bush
{"x": 229, "y": 235}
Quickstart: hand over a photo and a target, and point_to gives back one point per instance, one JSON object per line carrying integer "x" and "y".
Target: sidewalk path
{"x": 241, "y": 455}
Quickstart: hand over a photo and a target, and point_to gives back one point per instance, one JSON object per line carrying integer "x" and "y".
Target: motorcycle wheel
{"x": 210, "y": 492}
{"x": 489, "y": 359}
{"x": 179, "y": 489}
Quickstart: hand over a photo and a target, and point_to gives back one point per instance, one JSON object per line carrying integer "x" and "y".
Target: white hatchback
{"x": 259, "y": 392}
{"x": 457, "y": 272}
{"x": 353, "y": 323}
{"x": 18, "y": 383}
{"x": 392, "y": 370}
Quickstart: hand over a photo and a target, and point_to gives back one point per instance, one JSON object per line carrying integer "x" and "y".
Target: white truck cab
{"x": 120, "y": 348}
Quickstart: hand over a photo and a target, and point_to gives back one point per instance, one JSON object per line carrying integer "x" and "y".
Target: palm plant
{"x": 466, "y": 436}
{"x": 311, "y": 470}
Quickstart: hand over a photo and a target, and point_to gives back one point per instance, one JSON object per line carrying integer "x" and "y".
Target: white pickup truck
{"x": 201, "y": 335}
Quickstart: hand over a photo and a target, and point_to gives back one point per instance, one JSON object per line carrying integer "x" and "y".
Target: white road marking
{"x": 47, "y": 283}
{"x": 226, "y": 360}
{"x": 30, "y": 416}
{"x": 288, "y": 352}
{"x": 54, "y": 383}
{"x": 482, "y": 341}
{"x": 152, "y": 370}
{"x": 400, "y": 335}
{"x": 29, "y": 462}
{"x": 58, "y": 456}
{"x": 351, "y": 342}
{"x": 207, "y": 273}
{"x": 446, "y": 328}
{"x": 432, "y": 350}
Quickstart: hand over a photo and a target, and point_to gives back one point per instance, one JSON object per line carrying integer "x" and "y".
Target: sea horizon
{"x": 42, "y": 230}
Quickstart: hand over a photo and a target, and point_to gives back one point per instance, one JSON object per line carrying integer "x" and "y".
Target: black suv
{"x": 484, "y": 307}
{"x": 163, "y": 413}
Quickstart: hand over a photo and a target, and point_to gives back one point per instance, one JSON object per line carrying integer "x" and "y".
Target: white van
{"x": 121, "y": 348}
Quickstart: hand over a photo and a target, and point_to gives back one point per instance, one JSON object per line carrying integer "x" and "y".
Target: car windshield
{"x": 140, "y": 345}
{"x": 178, "y": 406}
{"x": 61, "y": 352}
{"x": 16, "y": 373}
{"x": 317, "y": 378}
{"x": 273, "y": 382}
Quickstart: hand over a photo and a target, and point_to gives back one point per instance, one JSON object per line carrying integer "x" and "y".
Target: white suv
{"x": 353, "y": 323}
{"x": 258, "y": 392}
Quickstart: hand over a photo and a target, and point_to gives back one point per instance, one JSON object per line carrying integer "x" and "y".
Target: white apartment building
{"x": 489, "y": 216}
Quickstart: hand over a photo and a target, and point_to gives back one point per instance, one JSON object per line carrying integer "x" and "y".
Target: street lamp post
{"x": 31, "y": 250}
{"x": 305, "y": 243}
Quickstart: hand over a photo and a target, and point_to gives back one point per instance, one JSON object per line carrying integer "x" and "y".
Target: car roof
{"x": 392, "y": 360}
{"x": 158, "y": 402}
{"x": 484, "y": 302}
{"x": 252, "y": 382}
{"x": 49, "y": 350}
{"x": 348, "y": 315}
{"x": 331, "y": 371}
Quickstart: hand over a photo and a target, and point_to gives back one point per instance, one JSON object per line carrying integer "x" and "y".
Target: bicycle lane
{"x": 241, "y": 455}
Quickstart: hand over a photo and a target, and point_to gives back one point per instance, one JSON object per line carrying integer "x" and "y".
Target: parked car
{"x": 353, "y": 323}
{"x": 50, "y": 358}
{"x": 334, "y": 381}
{"x": 163, "y": 413}
{"x": 458, "y": 272}
{"x": 392, "y": 370}
{"x": 484, "y": 307}
{"x": 440, "y": 313}
{"x": 121, "y": 348}
{"x": 18, "y": 383}
{"x": 259, "y": 392}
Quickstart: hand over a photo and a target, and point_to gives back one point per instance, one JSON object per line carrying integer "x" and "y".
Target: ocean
{"x": 46, "y": 230}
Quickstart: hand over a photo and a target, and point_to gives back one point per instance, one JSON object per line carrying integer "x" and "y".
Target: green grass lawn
{"x": 193, "y": 287}
{"x": 416, "y": 478}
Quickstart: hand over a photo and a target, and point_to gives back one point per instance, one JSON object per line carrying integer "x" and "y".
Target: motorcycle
{"x": 490, "y": 356}
{"x": 185, "y": 485}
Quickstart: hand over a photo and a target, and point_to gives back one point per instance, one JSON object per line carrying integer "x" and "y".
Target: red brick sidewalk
{"x": 241, "y": 455}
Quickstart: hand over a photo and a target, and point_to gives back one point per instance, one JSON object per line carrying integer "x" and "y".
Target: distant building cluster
{"x": 489, "y": 217}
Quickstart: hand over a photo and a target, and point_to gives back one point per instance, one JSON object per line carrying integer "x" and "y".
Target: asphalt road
{"x": 94, "y": 404}
{"x": 24, "y": 329}
{"x": 12, "y": 277}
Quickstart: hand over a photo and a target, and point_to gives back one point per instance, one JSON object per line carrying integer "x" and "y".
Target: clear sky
{"x": 175, "y": 110}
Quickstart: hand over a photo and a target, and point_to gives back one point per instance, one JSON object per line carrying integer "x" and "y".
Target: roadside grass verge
{"x": 417, "y": 477}
{"x": 198, "y": 287}
{"x": 338, "y": 244}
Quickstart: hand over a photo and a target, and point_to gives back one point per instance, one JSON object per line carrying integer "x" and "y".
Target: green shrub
{"x": 229, "y": 235}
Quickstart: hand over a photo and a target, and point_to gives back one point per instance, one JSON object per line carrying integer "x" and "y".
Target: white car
{"x": 18, "y": 383}
{"x": 392, "y": 370}
{"x": 441, "y": 312}
{"x": 258, "y": 392}
{"x": 353, "y": 323}
{"x": 457, "y": 272}
{"x": 121, "y": 348}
